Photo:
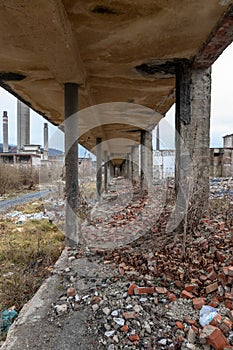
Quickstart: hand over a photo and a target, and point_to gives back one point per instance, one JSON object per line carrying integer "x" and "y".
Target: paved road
{"x": 28, "y": 197}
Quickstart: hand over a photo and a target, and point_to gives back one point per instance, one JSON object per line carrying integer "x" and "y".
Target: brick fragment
{"x": 216, "y": 321}
{"x": 131, "y": 289}
{"x": 220, "y": 256}
{"x": 226, "y": 326}
{"x": 214, "y": 302}
{"x": 230, "y": 315}
{"x": 211, "y": 287}
{"x": 190, "y": 287}
{"x": 203, "y": 278}
{"x": 222, "y": 279}
{"x": 125, "y": 328}
{"x": 171, "y": 296}
{"x": 230, "y": 271}
{"x": 143, "y": 290}
{"x": 179, "y": 325}
{"x": 212, "y": 275}
{"x": 198, "y": 303}
{"x": 217, "y": 339}
{"x": 134, "y": 337}
{"x": 186, "y": 295}
{"x": 161, "y": 290}
{"x": 229, "y": 296}
{"x": 129, "y": 315}
{"x": 190, "y": 321}
{"x": 195, "y": 329}
{"x": 229, "y": 304}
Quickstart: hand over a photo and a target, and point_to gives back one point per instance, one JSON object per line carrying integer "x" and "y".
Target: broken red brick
{"x": 198, "y": 303}
{"x": 230, "y": 315}
{"x": 214, "y": 302}
{"x": 230, "y": 271}
{"x": 203, "y": 278}
{"x": 186, "y": 295}
{"x": 229, "y": 304}
{"x": 229, "y": 296}
{"x": 211, "y": 287}
{"x": 131, "y": 289}
{"x": 71, "y": 292}
{"x": 179, "y": 325}
{"x": 190, "y": 321}
{"x": 226, "y": 325}
{"x": 143, "y": 290}
{"x": 216, "y": 321}
{"x": 195, "y": 329}
{"x": 161, "y": 290}
{"x": 217, "y": 339}
{"x": 225, "y": 270}
{"x": 171, "y": 296}
{"x": 125, "y": 328}
{"x": 190, "y": 287}
{"x": 220, "y": 257}
{"x": 222, "y": 279}
{"x": 121, "y": 271}
{"x": 134, "y": 337}
{"x": 129, "y": 315}
{"x": 180, "y": 339}
{"x": 212, "y": 275}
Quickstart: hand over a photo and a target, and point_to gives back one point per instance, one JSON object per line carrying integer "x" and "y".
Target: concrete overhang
{"x": 117, "y": 51}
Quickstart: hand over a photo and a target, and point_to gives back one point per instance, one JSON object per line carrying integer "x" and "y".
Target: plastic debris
{"x": 7, "y": 318}
{"x": 207, "y": 313}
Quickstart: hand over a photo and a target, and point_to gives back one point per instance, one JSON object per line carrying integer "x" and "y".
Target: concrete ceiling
{"x": 118, "y": 51}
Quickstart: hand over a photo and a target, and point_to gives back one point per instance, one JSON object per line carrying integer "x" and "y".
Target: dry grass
{"x": 27, "y": 254}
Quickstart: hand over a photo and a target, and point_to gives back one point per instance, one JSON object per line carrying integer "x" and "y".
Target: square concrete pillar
{"x": 71, "y": 161}
{"x": 193, "y": 93}
{"x": 146, "y": 160}
{"x": 105, "y": 171}
{"x": 99, "y": 167}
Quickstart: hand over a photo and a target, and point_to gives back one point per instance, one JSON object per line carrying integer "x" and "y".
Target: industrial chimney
{"x": 46, "y": 140}
{"x": 23, "y": 125}
{"x": 5, "y": 132}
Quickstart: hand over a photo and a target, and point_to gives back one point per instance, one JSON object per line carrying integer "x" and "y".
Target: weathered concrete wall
{"x": 221, "y": 162}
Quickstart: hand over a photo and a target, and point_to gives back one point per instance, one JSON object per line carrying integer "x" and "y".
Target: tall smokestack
{"x": 23, "y": 125}
{"x": 5, "y": 132}
{"x": 46, "y": 140}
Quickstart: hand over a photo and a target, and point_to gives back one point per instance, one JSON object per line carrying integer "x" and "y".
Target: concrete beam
{"x": 71, "y": 161}
{"x": 217, "y": 42}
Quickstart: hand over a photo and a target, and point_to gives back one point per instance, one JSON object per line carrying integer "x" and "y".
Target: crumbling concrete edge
{"x": 36, "y": 308}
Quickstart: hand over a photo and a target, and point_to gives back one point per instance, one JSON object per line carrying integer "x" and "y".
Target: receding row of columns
{"x": 192, "y": 149}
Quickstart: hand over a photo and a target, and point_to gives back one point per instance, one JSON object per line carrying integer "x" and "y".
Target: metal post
{"x": 98, "y": 168}
{"x": 71, "y": 161}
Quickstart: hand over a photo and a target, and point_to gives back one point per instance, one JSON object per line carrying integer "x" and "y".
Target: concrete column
{"x": 143, "y": 161}
{"x": 46, "y": 141}
{"x": 105, "y": 171}
{"x": 193, "y": 92}
{"x": 98, "y": 168}
{"x": 149, "y": 158}
{"x": 71, "y": 161}
{"x": 111, "y": 167}
{"x": 23, "y": 125}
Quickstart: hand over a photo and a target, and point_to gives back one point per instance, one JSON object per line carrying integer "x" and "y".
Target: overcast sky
{"x": 221, "y": 111}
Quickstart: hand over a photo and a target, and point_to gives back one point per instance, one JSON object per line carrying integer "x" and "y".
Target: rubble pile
{"x": 158, "y": 292}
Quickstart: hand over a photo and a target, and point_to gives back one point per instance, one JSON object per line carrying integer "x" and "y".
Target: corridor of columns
{"x": 106, "y": 73}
